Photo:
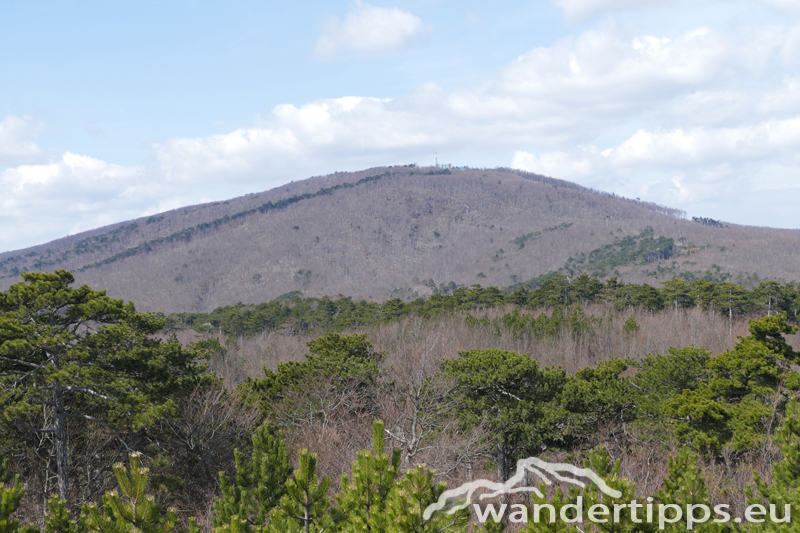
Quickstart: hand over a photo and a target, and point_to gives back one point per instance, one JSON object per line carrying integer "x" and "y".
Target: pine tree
{"x": 736, "y": 403}
{"x": 130, "y": 509}
{"x": 58, "y": 518}
{"x": 609, "y": 471}
{"x": 512, "y": 394}
{"x": 363, "y": 499}
{"x": 260, "y": 483}
{"x": 685, "y": 486}
{"x": 785, "y": 487}
{"x": 304, "y": 507}
{"x": 78, "y": 354}
{"x": 236, "y": 525}
{"x": 10, "y": 497}
{"x": 413, "y": 494}
{"x": 541, "y": 519}
{"x": 622, "y": 522}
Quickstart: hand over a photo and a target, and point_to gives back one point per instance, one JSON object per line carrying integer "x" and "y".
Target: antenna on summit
{"x": 436, "y": 154}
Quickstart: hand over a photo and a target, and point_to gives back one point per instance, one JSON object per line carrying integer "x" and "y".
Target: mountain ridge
{"x": 395, "y": 231}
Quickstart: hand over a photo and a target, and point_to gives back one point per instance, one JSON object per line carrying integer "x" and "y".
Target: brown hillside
{"x": 394, "y": 235}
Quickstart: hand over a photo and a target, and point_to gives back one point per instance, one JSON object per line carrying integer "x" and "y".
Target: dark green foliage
{"x": 738, "y": 400}
{"x": 638, "y": 296}
{"x": 260, "y": 482}
{"x": 785, "y": 486}
{"x": 661, "y": 377}
{"x": 604, "y": 466}
{"x": 707, "y": 221}
{"x": 10, "y": 496}
{"x": 608, "y": 470}
{"x": 131, "y": 508}
{"x": 562, "y": 320}
{"x": 413, "y": 494}
{"x": 305, "y": 506}
{"x": 511, "y": 395}
{"x": 84, "y": 355}
{"x": 630, "y": 327}
{"x": 731, "y": 299}
{"x": 523, "y": 239}
{"x": 677, "y": 294}
{"x": 93, "y": 244}
{"x": 349, "y": 361}
{"x": 727, "y": 403}
{"x": 633, "y": 249}
{"x": 554, "y": 291}
{"x": 591, "y": 398}
{"x": 685, "y": 486}
{"x": 364, "y": 497}
{"x": 188, "y": 233}
{"x": 58, "y": 517}
{"x": 292, "y": 314}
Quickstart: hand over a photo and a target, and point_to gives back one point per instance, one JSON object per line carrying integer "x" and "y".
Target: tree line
{"x": 297, "y": 315}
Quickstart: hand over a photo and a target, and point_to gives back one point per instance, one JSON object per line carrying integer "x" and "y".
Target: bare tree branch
{"x": 36, "y": 367}
{"x": 120, "y": 439}
{"x": 18, "y": 362}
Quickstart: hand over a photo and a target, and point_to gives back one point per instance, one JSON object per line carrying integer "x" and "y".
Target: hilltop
{"x": 403, "y": 232}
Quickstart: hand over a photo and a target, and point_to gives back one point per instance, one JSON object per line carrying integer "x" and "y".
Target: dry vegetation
{"x": 391, "y": 237}
{"x": 413, "y": 346}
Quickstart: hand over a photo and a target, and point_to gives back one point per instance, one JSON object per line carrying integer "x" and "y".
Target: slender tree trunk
{"x": 730, "y": 321}
{"x": 60, "y": 425}
{"x": 502, "y": 459}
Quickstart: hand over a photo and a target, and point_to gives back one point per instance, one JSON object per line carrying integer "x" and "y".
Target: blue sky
{"x": 114, "y": 110}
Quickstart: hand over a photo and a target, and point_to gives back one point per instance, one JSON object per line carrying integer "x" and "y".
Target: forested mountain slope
{"x": 402, "y": 232}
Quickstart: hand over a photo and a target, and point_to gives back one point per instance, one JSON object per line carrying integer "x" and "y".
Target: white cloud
{"x": 17, "y": 136}
{"x": 715, "y": 107}
{"x": 74, "y": 193}
{"x": 786, "y": 6}
{"x": 368, "y": 31}
{"x": 783, "y": 99}
{"x": 566, "y": 166}
{"x": 579, "y": 10}
{"x": 312, "y": 138}
{"x": 564, "y": 94}
{"x": 688, "y": 168}
{"x": 705, "y": 146}
{"x": 602, "y": 73}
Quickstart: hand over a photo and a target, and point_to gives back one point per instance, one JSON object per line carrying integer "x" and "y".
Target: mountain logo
{"x": 461, "y": 497}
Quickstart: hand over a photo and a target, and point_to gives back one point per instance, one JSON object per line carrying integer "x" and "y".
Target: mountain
{"x": 403, "y": 232}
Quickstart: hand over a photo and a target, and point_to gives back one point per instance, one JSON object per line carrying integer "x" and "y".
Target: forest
{"x": 320, "y": 414}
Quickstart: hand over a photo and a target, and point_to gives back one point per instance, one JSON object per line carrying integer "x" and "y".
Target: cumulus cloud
{"x": 17, "y": 136}
{"x": 368, "y": 31}
{"x": 308, "y": 138}
{"x": 572, "y": 167}
{"x": 71, "y": 194}
{"x": 567, "y": 93}
{"x": 689, "y": 168}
